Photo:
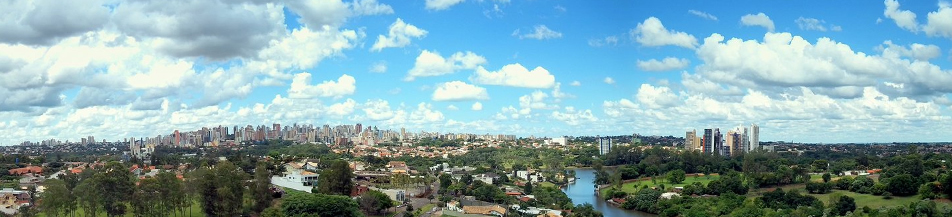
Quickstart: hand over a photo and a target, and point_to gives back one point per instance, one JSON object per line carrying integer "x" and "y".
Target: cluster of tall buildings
{"x": 735, "y": 141}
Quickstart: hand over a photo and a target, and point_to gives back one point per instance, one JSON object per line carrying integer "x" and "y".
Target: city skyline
{"x": 875, "y": 72}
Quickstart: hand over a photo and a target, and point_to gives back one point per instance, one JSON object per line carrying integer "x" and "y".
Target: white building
{"x": 604, "y": 145}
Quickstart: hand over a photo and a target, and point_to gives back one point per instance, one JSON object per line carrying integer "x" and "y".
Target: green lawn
{"x": 195, "y": 210}
{"x": 870, "y": 200}
{"x": 423, "y": 209}
{"x": 632, "y": 187}
{"x": 546, "y": 184}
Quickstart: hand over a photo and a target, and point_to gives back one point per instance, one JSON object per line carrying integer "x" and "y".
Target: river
{"x": 583, "y": 191}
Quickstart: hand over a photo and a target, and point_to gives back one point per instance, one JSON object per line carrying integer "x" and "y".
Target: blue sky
{"x": 857, "y": 71}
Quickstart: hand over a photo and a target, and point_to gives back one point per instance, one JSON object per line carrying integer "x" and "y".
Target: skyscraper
{"x": 604, "y": 145}
{"x": 689, "y": 139}
{"x": 754, "y": 136}
{"x": 718, "y": 142}
{"x": 708, "y": 141}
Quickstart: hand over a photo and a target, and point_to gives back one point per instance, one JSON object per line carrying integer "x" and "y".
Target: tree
{"x": 172, "y": 191}
{"x": 117, "y": 184}
{"x": 646, "y": 201}
{"x": 902, "y": 185}
{"x": 221, "y": 190}
{"x": 336, "y": 180}
{"x": 843, "y": 205}
{"x": 945, "y": 183}
{"x": 676, "y": 176}
{"x": 88, "y": 197}
{"x": 272, "y": 212}
{"x": 928, "y": 191}
{"x": 528, "y": 187}
{"x": 826, "y": 177}
{"x": 319, "y": 205}
{"x": 57, "y": 198}
{"x": 374, "y": 202}
{"x": 585, "y": 210}
{"x": 261, "y": 191}
{"x": 146, "y": 200}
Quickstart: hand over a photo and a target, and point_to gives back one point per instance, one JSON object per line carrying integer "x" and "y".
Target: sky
{"x": 822, "y": 71}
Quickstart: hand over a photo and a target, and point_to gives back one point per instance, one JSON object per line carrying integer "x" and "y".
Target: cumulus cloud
{"x": 609, "y": 80}
{"x": 301, "y": 87}
{"x": 916, "y": 51}
{"x": 459, "y": 91}
{"x": 430, "y": 63}
{"x": 515, "y": 75}
{"x": 702, "y": 14}
{"x": 438, "y": 5}
{"x": 652, "y": 33}
{"x": 399, "y": 36}
{"x": 904, "y": 18}
{"x": 939, "y": 22}
{"x": 343, "y": 108}
{"x": 186, "y": 29}
{"x": 574, "y": 117}
{"x": 759, "y": 19}
{"x": 666, "y": 64}
{"x": 539, "y": 32}
{"x": 452, "y": 108}
{"x": 656, "y": 97}
{"x": 576, "y": 83}
{"x": 43, "y": 22}
{"x": 477, "y": 106}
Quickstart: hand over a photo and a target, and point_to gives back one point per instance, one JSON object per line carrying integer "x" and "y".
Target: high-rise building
{"x": 754, "y": 136}
{"x": 689, "y": 139}
{"x": 729, "y": 141}
{"x": 718, "y": 142}
{"x": 708, "y": 141}
{"x": 604, "y": 145}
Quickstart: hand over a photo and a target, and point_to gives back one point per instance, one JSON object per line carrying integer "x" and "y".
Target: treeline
{"x": 220, "y": 190}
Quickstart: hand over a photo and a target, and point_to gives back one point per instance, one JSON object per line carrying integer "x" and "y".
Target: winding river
{"x": 583, "y": 191}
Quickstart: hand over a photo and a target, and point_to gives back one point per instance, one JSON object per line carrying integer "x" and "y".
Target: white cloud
{"x": 759, "y": 19}
{"x": 576, "y": 83}
{"x": 477, "y": 106}
{"x": 652, "y": 33}
{"x": 432, "y": 64}
{"x": 815, "y": 25}
{"x": 539, "y": 32}
{"x": 378, "y": 110}
{"x": 379, "y": 67}
{"x": 370, "y": 7}
{"x": 515, "y": 75}
{"x": 939, "y": 23}
{"x": 609, "y": 80}
{"x": 301, "y": 87}
{"x": 535, "y": 100}
{"x": 452, "y": 108}
{"x": 656, "y": 97}
{"x": 343, "y": 108}
{"x": 607, "y": 41}
{"x": 399, "y": 36}
{"x": 917, "y": 51}
{"x": 43, "y": 22}
{"x": 425, "y": 114}
{"x": 438, "y": 5}
{"x": 702, "y": 14}
{"x": 666, "y": 64}
{"x": 459, "y": 91}
{"x": 573, "y": 117}
{"x": 904, "y": 18}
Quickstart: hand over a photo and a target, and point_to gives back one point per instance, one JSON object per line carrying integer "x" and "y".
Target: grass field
{"x": 632, "y": 187}
{"x": 546, "y": 184}
{"x": 872, "y": 201}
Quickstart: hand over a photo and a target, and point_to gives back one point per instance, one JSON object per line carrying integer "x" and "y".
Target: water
{"x": 583, "y": 191}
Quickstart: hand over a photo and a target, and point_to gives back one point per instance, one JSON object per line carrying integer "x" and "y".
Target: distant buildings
{"x": 736, "y": 141}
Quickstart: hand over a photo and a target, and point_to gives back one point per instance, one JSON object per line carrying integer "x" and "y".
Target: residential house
{"x": 487, "y": 178}
{"x": 11, "y": 200}
{"x": 26, "y": 170}
{"x": 494, "y": 210}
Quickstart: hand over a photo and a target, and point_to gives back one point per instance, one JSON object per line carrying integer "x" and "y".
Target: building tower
{"x": 754, "y": 136}
{"x": 604, "y": 145}
{"x": 689, "y": 140}
{"x": 708, "y": 141}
